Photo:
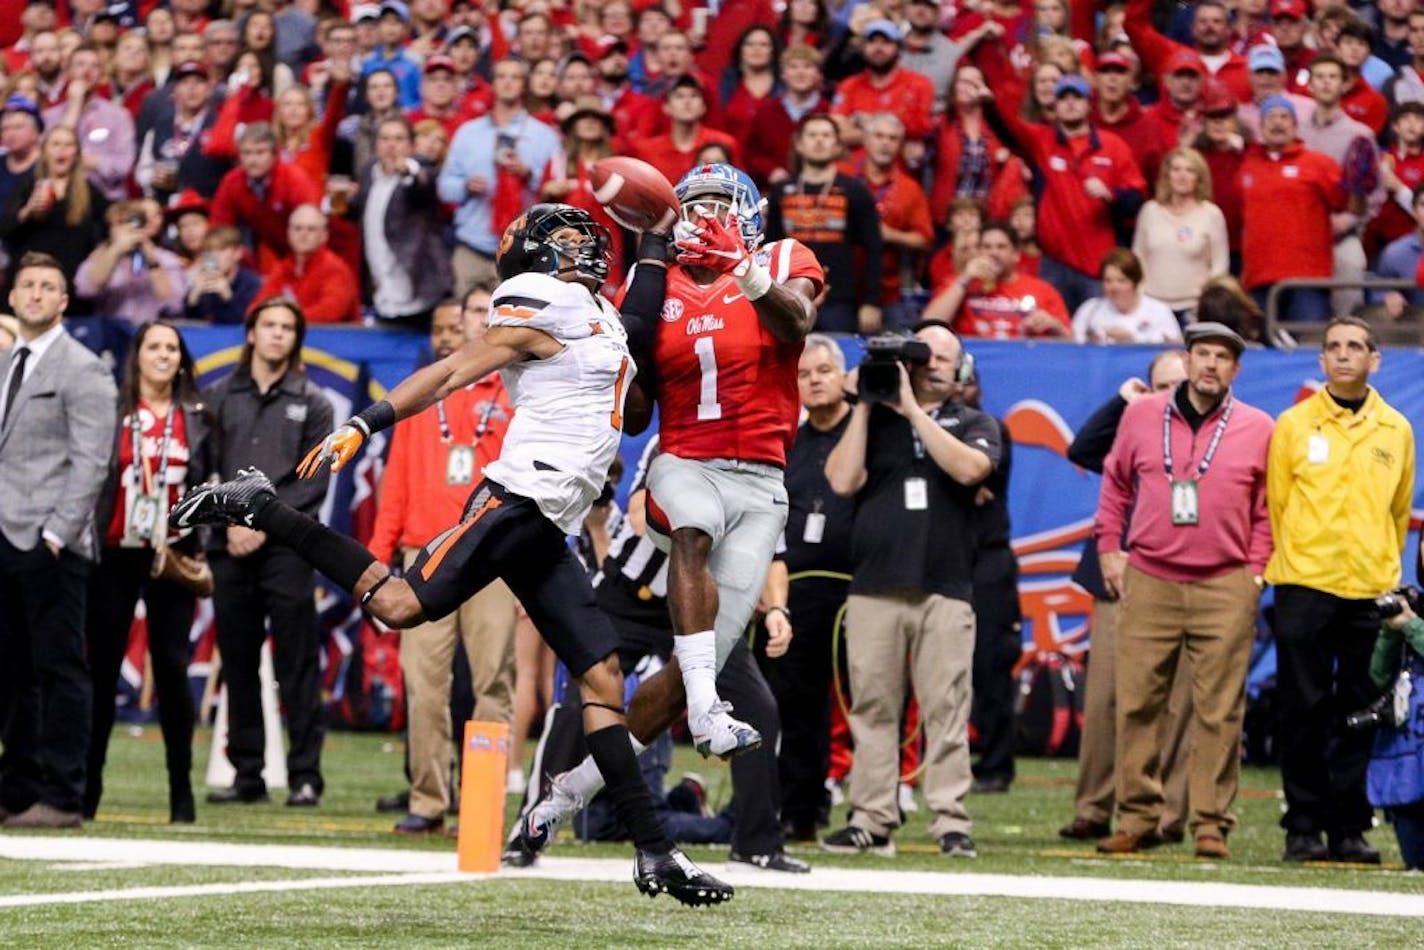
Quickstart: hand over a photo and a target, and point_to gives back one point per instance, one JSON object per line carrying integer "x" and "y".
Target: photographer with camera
{"x": 1395, "y": 779}
{"x": 1339, "y": 484}
{"x": 129, "y": 276}
{"x": 912, "y": 457}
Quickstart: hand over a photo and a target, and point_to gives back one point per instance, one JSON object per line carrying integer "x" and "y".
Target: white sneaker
{"x": 536, "y": 829}
{"x": 514, "y": 783}
{"x": 908, "y": 805}
{"x": 717, "y": 733}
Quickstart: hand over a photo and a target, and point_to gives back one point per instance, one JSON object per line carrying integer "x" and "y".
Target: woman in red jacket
{"x": 750, "y": 80}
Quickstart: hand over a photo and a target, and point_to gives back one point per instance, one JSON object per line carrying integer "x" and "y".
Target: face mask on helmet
{"x": 719, "y": 191}
{"x": 555, "y": 240}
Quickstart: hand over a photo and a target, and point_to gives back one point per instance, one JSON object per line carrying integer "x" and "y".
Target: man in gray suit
{"x": 57, "y": 418}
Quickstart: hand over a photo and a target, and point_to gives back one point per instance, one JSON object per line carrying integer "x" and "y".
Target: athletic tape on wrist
{"x": 756, "y": 283}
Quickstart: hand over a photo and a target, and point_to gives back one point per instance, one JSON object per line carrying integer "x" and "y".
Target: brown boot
{"x": 40, "y": 815}
{"x": 1125, "y": 842}
{"x": 1213, "y": 846}
{"x": 1081, "y": 829}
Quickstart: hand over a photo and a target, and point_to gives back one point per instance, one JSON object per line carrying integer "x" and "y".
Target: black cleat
{"x": 223, "y": 503}
{"x": 517, "y": 853}
{"x": 674, "y": 873}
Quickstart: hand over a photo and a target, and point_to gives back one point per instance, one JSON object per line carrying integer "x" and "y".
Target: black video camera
{"x": 1378, "y": 713}
{"x": 1392, "y": 603}
{"x": 880, "y": 367}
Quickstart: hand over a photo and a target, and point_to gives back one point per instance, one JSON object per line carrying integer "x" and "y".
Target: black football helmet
{"x": 555, "y": 239}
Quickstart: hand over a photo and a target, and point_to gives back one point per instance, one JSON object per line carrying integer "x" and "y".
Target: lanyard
{"x": 481, "y": 427}
{"x": 136, "y": 433}
{"x": 1211, "y": 446}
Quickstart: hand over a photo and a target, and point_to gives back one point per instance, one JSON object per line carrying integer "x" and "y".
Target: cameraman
{"x": 1339, "y": 483}
{"x": 912, "y": 466}
{"x": 1396, "y": 772}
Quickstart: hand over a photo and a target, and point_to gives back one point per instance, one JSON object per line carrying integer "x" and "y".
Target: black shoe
{"x": 419, "y": 825}
{"x": 389, "y": 804}
{"x": 224, "y": 503}
{"x": 237, "y": 795}
{"x": 956, "y": 844}
{"x": 775, "y": 861}
{"x": 306, "y": 796}
{"x": 181, "y": 810}
{"x": 990, "y": 785}
{"x": 673, "y": 873}
{"x": 1353, "y": 849}
{"x": 799, "y": 832}
{"x": 1081, "y": 829}
{"x": 853, "y": 840}
{"x": 1305, "y": 846}
{"x": 517, "y": 854}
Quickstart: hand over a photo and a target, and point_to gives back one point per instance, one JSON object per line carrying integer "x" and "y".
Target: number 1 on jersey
{"x": 708, "y": 407}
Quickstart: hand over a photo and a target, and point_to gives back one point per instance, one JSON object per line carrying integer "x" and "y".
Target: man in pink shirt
{"x": 1190, "y": 464}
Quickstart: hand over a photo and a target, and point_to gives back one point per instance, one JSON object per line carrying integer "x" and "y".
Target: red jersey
{"x": 998, "y": 314}
{"x": 151, "y": 472}
{"x": 726, "y": 386}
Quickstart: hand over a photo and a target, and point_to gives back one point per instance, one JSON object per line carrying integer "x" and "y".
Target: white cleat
{"x": 717, "y": 733}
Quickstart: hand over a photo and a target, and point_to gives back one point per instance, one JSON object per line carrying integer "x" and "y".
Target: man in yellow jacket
{"x": 1339, "y": 486}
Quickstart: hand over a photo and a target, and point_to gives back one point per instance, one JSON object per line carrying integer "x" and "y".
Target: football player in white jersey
{"x": 564, "y": 356}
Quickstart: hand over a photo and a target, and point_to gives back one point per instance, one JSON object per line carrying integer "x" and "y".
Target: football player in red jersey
{"x": 723, "y": 362}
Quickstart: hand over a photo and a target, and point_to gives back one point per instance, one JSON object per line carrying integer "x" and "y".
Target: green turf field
{"x": 1015, "y": 834}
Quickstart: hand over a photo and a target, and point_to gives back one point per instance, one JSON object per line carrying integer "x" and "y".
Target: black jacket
{"x": 1090, "y": 450}
{"x": 415, "y": 230}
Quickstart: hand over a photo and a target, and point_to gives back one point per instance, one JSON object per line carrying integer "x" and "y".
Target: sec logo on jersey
{"x": 672, "y": 310}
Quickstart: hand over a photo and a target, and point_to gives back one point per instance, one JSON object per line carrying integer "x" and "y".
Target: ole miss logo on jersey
{"x": 727, "y": 387}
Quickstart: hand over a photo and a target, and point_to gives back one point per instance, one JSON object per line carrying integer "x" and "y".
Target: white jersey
{"x": 568, "y": 415}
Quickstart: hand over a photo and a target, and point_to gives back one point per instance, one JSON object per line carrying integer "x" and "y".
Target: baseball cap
{"x": 1294, "y": 9}
{"x": 438, "y": 61}
{"x": 1266, "y": 57}
{"x": 396, "y": 7}
{"x": 190, "y": 68}
{"x": 608, "y": 44}
{"x": 685, "y": 81}
{"x": 185, "y": 202}
{"x": 1184, "y": 61}
{"x": 461, "y": 33}
{"x": 361, "y": 12}
{"x": 1213, "y": 332}
{"x": 1216, "y": 98}
{"x": 1276, "y": 102}
{"x": 1114, "y": 61}
{"x": 26, "y": 105}
{"x": 588, "y": 107}
{"x": 885, "y": 28}
{"x": 1072, "y": 83}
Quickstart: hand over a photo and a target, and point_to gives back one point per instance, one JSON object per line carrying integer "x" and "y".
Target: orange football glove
{"x": 338, "y": 448}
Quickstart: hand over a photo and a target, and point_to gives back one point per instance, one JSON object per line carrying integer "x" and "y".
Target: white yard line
{"x": 403, "y": 868}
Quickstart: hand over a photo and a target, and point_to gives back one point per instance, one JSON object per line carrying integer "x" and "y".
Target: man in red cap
{"x": 885, "y": 86}
{"x": 172, "y": 156}
{"x": 1117, "y": 109}
{"x": 1290, "y": 21}
{"x": 1211, "y": 34}
{"x": 1179, "y": 109}
{"x": 1268, "y": 78}
{"x": 635, "y": 116}
{"x": 439, "y": 93}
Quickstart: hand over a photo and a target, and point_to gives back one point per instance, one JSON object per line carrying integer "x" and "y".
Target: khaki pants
{"x": 470, "y": 269}
{"x": 486, "y": 624}
{"x": 937, "y": 634}
{"x": 1211, "y": 622}
{"x": 1097, "y": 780}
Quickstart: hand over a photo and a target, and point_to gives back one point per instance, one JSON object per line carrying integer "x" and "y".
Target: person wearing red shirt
{"x": 1402, "y": 170}
{"x": 675, "y": 153}
{"x": 435, "y": 458}
{"x": 971, "y": 161}
{"x": 635, "y": 116}
{"x": 1223, "y": 146}
{"x": 992, "y": 299}
{"x": 321, "y": 283}
{"x": 1089, "y": 185}
{"x": 1288, "y": 194}
{"x": 905, "y": 226}
{"x": 1290, "y": 21}
{"x": 260, "y": 194}
{"x": 885, "y": 86}
{"x": 1211, "y": 32}
{"x": 131, "y": 78}
{"x": 1118, "y": 111}
{"x": 439, "y": 88}
{"x": 475, "y": 97}
{"x": 673, "y": 54}
{"x": 1178, "y": 111}
{"x": 1361, "y": 101}
{"x": 769, "y": 134}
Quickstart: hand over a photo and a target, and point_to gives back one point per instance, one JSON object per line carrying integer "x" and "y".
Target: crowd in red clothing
{"x": 1248, "y": 143}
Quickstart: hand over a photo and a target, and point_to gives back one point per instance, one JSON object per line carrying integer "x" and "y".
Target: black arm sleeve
{"x": 1095, "y": 438}
{"x": 641, "y": 308}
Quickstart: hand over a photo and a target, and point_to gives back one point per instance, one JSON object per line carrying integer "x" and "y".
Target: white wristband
{"x": 756, "y": 282}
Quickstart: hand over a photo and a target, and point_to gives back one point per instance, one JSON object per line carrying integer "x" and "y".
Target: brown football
{"x": 634, "y": 193}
